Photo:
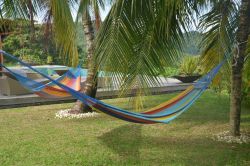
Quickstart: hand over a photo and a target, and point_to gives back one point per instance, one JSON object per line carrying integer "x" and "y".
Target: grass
{"x": 32, "y": 136}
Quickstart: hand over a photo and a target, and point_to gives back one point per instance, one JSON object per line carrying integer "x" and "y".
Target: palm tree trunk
{"x": 32, "y": 23}
{"x": 1, "y": 55}
{"x": 237, "y": 66}
{"x": 90, "y": 86}
{"x": 97, "y": 20}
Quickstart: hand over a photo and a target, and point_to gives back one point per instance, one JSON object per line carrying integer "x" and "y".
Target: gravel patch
{"x": 226, "y": 137}
{"x": 65, "y": 114}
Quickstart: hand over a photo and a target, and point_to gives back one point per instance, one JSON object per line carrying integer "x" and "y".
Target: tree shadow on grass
{"x": 125, "y": 141}
{"x": 136, "y": 148}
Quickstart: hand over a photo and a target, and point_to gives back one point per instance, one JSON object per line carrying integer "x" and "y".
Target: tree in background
{"x": 28, "y": 9}
{"x": 18, "y": 43}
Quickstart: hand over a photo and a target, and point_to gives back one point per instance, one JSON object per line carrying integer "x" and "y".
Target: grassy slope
{"x": 32, "y": 136}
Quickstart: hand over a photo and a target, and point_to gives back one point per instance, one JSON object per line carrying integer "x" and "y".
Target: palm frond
{"x": 139, "y": 38}
{"x": 14, "y": 9}
{"x": 94, "y": 5}
{"x": 64, "y": 29}
{"x": 219, "y": 26}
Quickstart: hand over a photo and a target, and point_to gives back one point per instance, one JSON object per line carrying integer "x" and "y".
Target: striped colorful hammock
{"x": 70, "y": 79}
{"x": 163, "y": 113}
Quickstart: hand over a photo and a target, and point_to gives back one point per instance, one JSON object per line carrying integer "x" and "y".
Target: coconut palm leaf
{"x": 139, "y": 38}
{"x": 64, "y": 28}
{"x": 219, "y": 25}
{"x": 14, "y": 9}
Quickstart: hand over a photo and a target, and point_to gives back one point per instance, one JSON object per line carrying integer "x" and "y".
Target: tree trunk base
{"x": 74, "y": 111}
{"x": 79, "y": 108}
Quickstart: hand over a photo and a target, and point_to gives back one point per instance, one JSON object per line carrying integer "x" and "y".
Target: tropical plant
{"x": 170, "y": 71}
{"x": 141, "y": 38}
{"x": 49, "y": 59}
{"x": 32, "y": 59}
{"x": 189, "y": 66}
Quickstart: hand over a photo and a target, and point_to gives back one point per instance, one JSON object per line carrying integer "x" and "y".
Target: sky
{"x": 103, "y": 13}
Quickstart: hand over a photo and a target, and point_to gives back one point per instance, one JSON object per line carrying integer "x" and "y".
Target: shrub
{"x": 170, "y": 71}
{"x": 189, "y": 65}
{"x": 49, "y": 59}
{"x": 32, "y": 59}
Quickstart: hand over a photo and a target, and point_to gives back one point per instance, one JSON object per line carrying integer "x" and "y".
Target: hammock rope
{"x": 164, "y": 113}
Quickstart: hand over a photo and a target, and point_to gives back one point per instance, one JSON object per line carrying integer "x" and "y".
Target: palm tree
{"x": 237, "y": 66}
{"x": 32, "y": 22}
{"x": 56, "y": 9}
{"x": 90, "y": 86}
{"x": 229, "y": 31}
{"x": 91, "y": 81}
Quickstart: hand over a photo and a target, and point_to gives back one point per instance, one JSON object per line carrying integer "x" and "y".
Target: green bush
{"x": 42, "y": 49}
{"x": 189, "y": 65}
{"x": 49, "y": 59}
{"x": 170, "y": 71}
{"x": 39, "y": 51}
{"x": 32, "y": 59}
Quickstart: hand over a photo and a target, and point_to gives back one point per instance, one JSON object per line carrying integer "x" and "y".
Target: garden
{"x": 125, "y": 82}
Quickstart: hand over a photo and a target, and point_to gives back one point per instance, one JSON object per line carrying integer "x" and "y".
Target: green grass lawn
{"x": 32, "y": 136}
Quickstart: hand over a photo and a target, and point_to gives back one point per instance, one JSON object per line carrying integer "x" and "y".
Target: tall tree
{"x": 91, "y": 81}
{"x": 237, "y": 66}
{"x": 90, "y": 29}
{"x": 31, "y": 17}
